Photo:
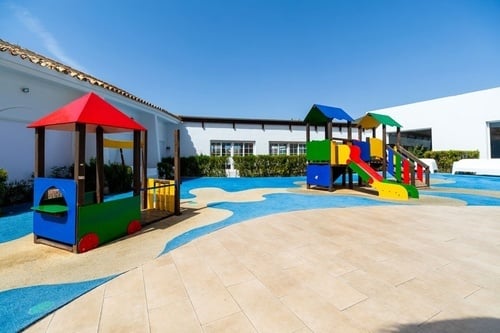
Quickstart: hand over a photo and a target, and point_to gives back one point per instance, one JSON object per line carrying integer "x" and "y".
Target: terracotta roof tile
{"x": 35, "y": 58}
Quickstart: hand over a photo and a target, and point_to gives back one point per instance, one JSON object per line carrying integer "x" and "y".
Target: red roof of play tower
{"x": 92, "y": 110}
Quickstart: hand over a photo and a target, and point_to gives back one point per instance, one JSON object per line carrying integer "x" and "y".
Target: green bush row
{"x": 248, "y": 166}
{"x": 14, "y": 192}
{"x": 117, "y": 177}
{"x": 445, "y": 158}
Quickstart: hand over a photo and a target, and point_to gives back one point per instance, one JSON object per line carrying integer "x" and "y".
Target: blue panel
{"x": 364, "y": 148}
{"x": 57, "y": 227}
{"x": 390, "y": 161}
{"x": 319, "y": 174}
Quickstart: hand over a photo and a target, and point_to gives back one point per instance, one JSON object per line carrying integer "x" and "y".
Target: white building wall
{"x": 48, "y": 91}
{"x": 457, "y": 122}
{"x": 195, "y": 139}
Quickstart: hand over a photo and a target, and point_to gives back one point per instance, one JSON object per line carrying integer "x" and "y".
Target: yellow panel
{"x": 344, "y": 152}
{"x": 376, "y": 149}
{"x": 333, "y": 153}
{"x": 390, "y": 191}
{"x": 160, "y": 196}
{"x": 110, "y": 143}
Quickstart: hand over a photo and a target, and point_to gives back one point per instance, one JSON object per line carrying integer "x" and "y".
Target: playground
{"x": 366, "y": 241}
{"x": 362, "y": 251}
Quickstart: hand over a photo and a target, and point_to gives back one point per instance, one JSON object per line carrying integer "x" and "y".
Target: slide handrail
{"x": 415, "y": 160}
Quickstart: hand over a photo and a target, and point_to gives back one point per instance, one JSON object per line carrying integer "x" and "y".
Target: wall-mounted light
{"x": 25, "y": 90}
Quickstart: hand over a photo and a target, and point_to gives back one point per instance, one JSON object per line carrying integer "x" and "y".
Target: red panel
{"x": 420, "y": 173}
{"x": 406, "y": 171}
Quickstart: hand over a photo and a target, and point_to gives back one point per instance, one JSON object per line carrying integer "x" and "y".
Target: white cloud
{"x": 47, "y": 39}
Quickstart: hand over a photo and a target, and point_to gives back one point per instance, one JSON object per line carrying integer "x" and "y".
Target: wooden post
{"x": 349, "y": 131}
{"x": 99, "y": 164}
{"x": 308, "y": 132}
{"x": 384, "y": 152}
{"x": 177, "y": 171}
{"x": 39, "y": 152}
{"x": 145, "y": 170}
{"x": 79, "y": 168}
{"x": 137, "y": 162}
{"x": 398, "y": 136}
{"x": 328, "y": 130}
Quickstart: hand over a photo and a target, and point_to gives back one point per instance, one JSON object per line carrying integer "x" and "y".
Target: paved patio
{"x": 430, "y": 266}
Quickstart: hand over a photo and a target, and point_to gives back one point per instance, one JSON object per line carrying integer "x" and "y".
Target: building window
{"x": 410, "y": 140}
{"x": 495, "y": 140}
{"x": 297, "y": 148}
{"x": 287, "y": 148}
{"x": 227, "y": 148}
{"x": 247, "y": 148}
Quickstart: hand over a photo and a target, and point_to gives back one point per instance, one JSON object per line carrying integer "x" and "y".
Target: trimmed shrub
{"x": 445, "y": 159}
{"x": 248, "y": 166}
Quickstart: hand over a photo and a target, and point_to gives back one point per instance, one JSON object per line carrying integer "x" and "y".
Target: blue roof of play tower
{"x": 322, "y": 114}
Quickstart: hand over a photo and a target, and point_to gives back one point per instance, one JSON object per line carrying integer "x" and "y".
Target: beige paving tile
{"x": 409, "y": 306}
{"x": 486, "y": 302}
{"x": 124, "y": 306}
{"x": 81, "y": 315}
{"x": 229, "y": 270}
{"x": 367, "y": 284}
{"x": 335, "y": 289}
{"x": 281, "y": 283}
{"x": 237, "y": 322}
{"x": 163, "y": 284}
{"x": 372, "y": 315}
{"x": 175, "y": 317}
{"x": 317, "y": 312}
{"x": 209, "y": 296}
{"x": 264, "y": 310}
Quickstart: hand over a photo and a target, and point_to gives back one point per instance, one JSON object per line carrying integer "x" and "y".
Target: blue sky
{"x": 268, "y": 59}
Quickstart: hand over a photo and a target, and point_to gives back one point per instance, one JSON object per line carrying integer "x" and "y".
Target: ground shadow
{"x": 470, "y": 325}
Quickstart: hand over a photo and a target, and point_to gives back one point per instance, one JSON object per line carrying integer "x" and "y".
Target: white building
{"x": 32, "y": 86}
{"x": 463, "y": 122}
{"x": 239, "y": 137}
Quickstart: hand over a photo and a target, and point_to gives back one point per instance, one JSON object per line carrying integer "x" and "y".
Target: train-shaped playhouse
{"x": 392, "y": 171}
{"x": 68, "y": 216}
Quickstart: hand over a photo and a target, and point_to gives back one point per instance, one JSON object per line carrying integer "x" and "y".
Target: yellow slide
{"x": 390, "y": 191}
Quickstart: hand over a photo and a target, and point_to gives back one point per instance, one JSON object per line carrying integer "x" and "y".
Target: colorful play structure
{"x": 392, "y": 171}
{"x": 68, "y": 216}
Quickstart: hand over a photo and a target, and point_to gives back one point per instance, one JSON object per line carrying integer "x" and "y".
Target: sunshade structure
{"x": 91, "y": 110}
{"x": 90, "y": 114}
{"x": 374, "y": 120}
{"x": 322, "y": 115}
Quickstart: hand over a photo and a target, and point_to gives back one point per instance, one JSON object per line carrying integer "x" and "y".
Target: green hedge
{"x": 14, "y": 192}
{"x": 445, "y": 159}
{"x": 270, "y": 165}
{"x": 248, "y": 166}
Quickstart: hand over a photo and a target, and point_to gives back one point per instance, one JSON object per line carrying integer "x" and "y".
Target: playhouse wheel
{"x": 133, "y": 227}
{"x": 88, "y": 242}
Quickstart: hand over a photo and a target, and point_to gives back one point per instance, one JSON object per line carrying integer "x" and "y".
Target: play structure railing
{"x": 406, "y": 167}
{"x": 161, "y": 194}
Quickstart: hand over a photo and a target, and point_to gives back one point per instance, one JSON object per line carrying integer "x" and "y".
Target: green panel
{"x": 51, "y": 209}
{"x": 361, "y": 173}
{"x": 318, "y": 151}
{"x": 109, "y": 220}
{"x": 397, "y": 167}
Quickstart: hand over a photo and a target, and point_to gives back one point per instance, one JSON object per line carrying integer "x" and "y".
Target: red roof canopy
{"x": 92, "y": 110}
